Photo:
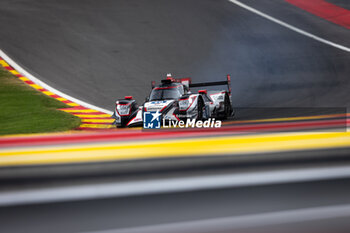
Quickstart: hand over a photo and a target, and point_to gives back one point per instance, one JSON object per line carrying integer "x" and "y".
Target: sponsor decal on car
{"x": 152, "y": 120}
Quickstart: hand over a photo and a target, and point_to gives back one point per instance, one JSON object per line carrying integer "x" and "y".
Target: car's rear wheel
{"x": 200, "y": 109}
{"x": 227, "y": 108}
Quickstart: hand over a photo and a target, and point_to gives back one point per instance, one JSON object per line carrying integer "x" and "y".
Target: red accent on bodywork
{"x": 131, "y": 120}
{"x": 176, "y": 117}
{"x": 128, "y": 97}
{"x": 163, "y": 108}
{"x": 185, "y": 79}
{"x": 203, "y": 92}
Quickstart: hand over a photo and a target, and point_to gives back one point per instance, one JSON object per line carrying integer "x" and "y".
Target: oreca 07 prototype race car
{"x": 174, "y": 100}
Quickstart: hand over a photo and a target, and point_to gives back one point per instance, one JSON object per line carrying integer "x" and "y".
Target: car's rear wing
{"x": 218, "y": 83}
{"x": 187, "y": 82}
{"x": 184, "y": 81}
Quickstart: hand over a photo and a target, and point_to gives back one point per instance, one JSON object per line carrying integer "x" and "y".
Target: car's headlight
{"x": 123, "y": 109}
{"x": 185, "y": 104}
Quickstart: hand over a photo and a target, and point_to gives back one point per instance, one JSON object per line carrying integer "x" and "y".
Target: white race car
{"x": 174, "y": 101}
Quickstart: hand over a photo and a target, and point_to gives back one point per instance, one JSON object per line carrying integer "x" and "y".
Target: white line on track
{"x": 46, "y": 86}
{"x": 238, "y": 3}
{"x": 169, "y": 185}
{"x": 227, "y": 224}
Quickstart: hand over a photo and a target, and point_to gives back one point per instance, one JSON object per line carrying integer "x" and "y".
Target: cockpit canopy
{"x": 167, "y": 92}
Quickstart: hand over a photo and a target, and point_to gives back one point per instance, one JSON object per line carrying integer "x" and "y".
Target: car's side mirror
{"x": 147, "y": 99}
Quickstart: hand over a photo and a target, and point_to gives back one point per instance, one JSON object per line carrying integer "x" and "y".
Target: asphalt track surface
{"x": 98, "y": 51}
{"x": 265, "y": 208}
{"x": 101, "y": 51}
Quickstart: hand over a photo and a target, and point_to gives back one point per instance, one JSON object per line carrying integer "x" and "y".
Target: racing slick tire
{"x": 227, "y": 108}
{"x": 200, "y": 109}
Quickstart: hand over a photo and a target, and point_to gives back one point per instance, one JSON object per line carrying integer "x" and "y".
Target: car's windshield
{"x": 163, "y": 94}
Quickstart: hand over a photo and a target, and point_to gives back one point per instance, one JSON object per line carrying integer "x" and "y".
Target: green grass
{"x": 25, "y": 110}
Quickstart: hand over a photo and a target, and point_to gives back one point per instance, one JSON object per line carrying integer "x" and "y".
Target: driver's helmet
{"x": 170, "y": 77}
